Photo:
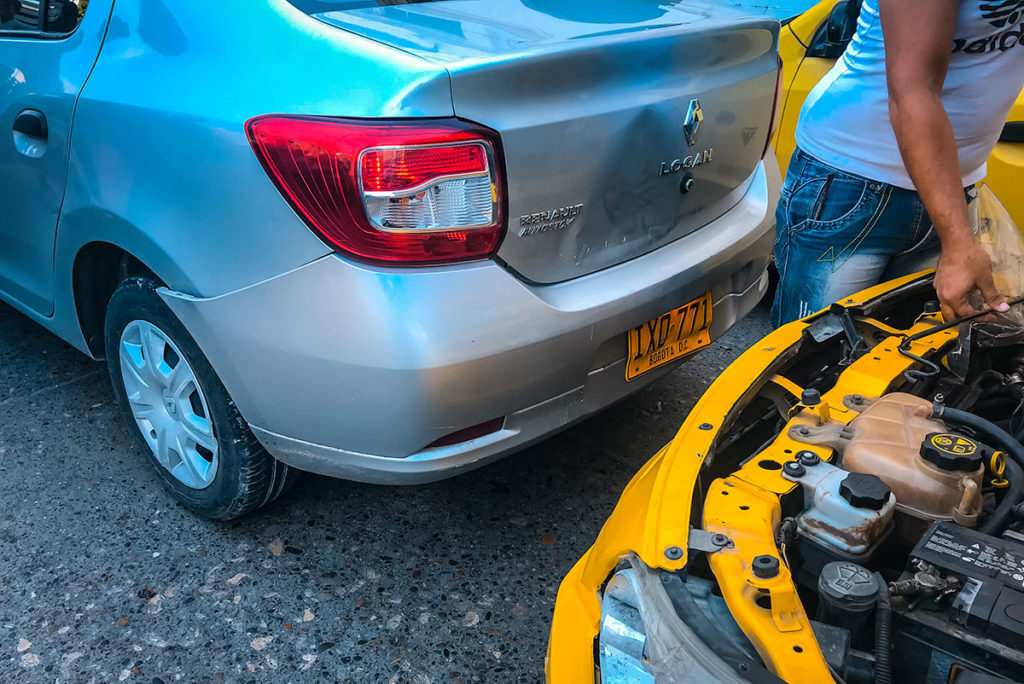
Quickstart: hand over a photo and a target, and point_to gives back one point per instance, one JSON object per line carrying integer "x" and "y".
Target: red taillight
{"x": 386, "y": 170}
{"x": 776, "y": 112}
{"x": 401, "y": 192}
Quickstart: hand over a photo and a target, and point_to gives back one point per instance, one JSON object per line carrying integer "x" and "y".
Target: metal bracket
{"x": 708, "y": 542}
{"x": 835, "y": 435}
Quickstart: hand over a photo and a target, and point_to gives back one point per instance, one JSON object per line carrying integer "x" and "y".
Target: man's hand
{"x": 962, "y": 269}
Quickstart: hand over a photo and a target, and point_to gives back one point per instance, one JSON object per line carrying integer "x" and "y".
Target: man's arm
{"x": 918, "y": 45}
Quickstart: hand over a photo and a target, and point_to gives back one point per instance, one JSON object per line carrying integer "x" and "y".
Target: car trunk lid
{"x": 607, "y": 111}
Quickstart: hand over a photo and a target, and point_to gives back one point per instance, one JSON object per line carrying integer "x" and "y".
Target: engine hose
{"x": 997, "y": 437}
{"x": 883, "y": 634}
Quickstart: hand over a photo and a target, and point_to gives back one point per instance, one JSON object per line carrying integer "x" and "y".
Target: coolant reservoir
{"x": 935, "y": 475}
{"x": 848, "y": 514}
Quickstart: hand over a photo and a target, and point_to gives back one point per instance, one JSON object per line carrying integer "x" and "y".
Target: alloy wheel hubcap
{"x": 168, "y": 404}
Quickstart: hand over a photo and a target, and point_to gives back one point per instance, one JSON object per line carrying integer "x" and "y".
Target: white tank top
{"x": 845, "y": 119}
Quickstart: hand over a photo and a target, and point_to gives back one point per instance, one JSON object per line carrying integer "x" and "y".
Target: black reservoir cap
{"x": 863, "y": 490}
{"x": 950, "y": 451}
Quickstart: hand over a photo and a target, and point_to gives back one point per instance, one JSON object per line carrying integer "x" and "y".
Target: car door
{"x": 809, "y": 46}
{"x": 47, "y": 48}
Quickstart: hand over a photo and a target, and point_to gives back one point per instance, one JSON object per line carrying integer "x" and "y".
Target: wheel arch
{"x": 98, "y": 268}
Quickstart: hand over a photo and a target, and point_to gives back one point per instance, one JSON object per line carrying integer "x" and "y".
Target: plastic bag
{"x": 1004, "y": 242}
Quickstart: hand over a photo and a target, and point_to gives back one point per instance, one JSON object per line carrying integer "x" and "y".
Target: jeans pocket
{"x": 826, "y": 202}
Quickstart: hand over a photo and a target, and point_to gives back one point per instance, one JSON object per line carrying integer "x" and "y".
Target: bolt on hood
{"x": 591, "y": 101}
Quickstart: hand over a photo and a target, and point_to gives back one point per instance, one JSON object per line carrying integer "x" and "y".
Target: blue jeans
{"x": 837, "y": 233}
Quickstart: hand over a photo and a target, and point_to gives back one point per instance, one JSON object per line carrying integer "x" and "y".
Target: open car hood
{"x": 717, "y": 517}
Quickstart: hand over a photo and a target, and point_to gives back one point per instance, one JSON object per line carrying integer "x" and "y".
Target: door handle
{"x": 31, "y": 122}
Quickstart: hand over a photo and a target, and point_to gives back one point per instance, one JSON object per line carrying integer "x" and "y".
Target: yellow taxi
{"x": 843, "y": 504}
{"x": 846, "y": 501}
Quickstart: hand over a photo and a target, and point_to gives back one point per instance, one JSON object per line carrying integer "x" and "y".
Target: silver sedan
{"x": 384, "y": 241}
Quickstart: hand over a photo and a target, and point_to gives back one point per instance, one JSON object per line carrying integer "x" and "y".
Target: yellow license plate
{"x": 669, "y": 337}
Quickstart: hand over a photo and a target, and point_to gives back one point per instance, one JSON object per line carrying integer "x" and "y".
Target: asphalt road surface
{"x": 104, "y": 579}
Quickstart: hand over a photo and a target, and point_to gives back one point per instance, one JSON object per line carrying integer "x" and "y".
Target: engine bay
{"x": 882, "y": 509}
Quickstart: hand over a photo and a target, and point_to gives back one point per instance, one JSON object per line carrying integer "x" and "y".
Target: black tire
{"x": 247, "y": 477}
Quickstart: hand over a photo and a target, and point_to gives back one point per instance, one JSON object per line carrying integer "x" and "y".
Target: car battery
{"x": 992, "y": 571}
{"x": 971, "y": 632}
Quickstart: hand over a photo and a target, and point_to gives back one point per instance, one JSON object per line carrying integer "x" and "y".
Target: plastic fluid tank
{"x": 848, "y": 514}
{"x": 934, "y": 474}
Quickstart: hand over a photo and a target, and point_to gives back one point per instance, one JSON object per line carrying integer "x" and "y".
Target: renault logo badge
{"x": 692, "y": 122}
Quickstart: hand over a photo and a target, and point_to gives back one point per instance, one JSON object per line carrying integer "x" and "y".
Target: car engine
{"x": 897, "y": 512}
{"x": 904, "y": 533}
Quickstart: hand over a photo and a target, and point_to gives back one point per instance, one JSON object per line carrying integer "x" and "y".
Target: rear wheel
{"x": 187, "y": 424}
